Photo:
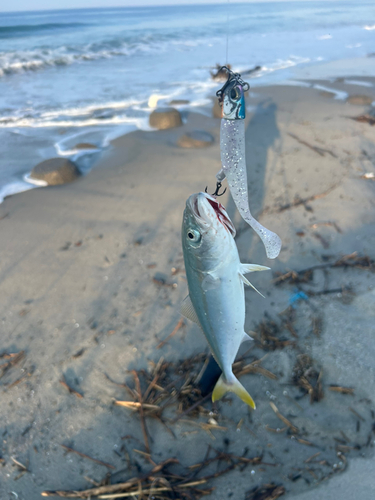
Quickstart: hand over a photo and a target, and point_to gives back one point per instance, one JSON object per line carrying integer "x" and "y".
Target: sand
{"x": 78, "y": 295}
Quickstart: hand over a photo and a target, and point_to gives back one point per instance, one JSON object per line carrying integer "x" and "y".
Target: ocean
{"x": 85, "y": 75}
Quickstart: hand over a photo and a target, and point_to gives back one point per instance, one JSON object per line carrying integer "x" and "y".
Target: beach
{"x": 91, "y": 282}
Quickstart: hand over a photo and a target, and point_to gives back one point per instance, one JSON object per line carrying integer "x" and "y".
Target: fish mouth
{"x": 201, "y": 204}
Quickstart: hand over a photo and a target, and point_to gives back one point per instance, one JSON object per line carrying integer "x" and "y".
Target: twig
{"x": 83, "y": 455}
{"x": 343, "y": 289}
{"x": 109, "y": 488}
{"x": 256, "y": 369}
{"x": 135, "y": 405}
{"x": 303, "y": 201}
{"x": 14, "y": 358}
{"x": 153, "y": 490}
{"x": 121, "y": 384}
{"x": 351, "y": 260}
{"x": 20, "y": 465}
{"x": 141, "y": 413}
{"x": 293, "y": 428}
{"x": 328, "y": 223}
{"x": 191, "y": 408}
{"x": 179, "y": 325}
{"x": 356, "y": 414}
{"x": 317, "y": 149}
{"x": 322, "y": 240}
{"x": 343, "y": 390}
{"x": 70, "y": 389}
{"x": 16, "y": 382}
{"x": 308, "y": 460}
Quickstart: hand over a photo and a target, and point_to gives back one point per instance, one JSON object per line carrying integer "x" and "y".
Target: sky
{"x": 21, "y": 5}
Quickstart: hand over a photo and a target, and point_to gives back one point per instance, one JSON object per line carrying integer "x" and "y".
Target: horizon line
{"x": 162, "y": 4}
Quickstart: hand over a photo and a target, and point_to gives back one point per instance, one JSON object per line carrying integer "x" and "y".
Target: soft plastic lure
{"x": 232, "y": 149}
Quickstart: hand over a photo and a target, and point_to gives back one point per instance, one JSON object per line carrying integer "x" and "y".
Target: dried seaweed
{"x": 181, "y": 482}
{"x": 306, "y": 275}
{"x": 269, "y": 336}
{"x": 308, "y": 378}
{"x": 166, "y": 384}
{"x": 266, "y": 492}
{"x": 83, "y": 455}
{"x": 13, "y": 359}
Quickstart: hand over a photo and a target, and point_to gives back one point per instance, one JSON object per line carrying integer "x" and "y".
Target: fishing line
{"x": 226, "y": 52}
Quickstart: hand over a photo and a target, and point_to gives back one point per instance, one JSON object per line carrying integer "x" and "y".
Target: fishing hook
{"x": 218, "y": 187}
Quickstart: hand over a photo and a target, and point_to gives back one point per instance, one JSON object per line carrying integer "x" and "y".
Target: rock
{"x": 360, "y": 100}
{"x": 179, "y": 102}
{"x": 326, "y": 93}
{"x": 216, "y": 110}
{"x": 164, "y": 118}
{"x": 195, "y": 139}
{"x": 85, "y": 145}
{"x": 55, "y": 171}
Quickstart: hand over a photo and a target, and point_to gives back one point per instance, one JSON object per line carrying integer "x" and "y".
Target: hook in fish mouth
{"x": 201, "y": 205}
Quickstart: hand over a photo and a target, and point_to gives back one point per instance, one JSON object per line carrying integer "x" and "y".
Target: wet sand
{"x": 81, "y": 293}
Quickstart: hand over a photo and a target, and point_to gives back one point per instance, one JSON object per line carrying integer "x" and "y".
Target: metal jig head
{"x": 218, "y": 187}
{"x": 232, "y": 96}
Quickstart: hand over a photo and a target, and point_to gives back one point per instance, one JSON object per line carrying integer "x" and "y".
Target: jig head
{"x": 232, "y": 96}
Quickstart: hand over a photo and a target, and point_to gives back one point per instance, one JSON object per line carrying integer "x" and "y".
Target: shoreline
{"x": 321, "y": 73}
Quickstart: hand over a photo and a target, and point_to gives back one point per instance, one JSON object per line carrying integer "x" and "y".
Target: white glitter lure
{"x": 232, "y": 150}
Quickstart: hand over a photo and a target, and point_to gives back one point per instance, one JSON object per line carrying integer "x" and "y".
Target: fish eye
{"x": 235, "y": 93}
{"x": 193, "y": 235}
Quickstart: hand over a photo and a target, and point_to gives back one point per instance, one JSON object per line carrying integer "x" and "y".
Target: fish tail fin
{"x": 223, "y": 386}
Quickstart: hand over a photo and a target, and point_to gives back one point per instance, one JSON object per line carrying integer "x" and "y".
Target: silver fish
{"x": 233, "y": 160}
{"x": 215, "y": 276}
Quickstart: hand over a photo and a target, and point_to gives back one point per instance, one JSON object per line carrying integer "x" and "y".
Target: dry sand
{"x": 77, "y": 295}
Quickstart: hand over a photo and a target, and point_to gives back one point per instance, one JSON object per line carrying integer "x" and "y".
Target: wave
{"x": 13, "y": 188}
{"x": 280, "y": 64}
{"x": 29, "y": 29}
{"x": 41, "y": 58}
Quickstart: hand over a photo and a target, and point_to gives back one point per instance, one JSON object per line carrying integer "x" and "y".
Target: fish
{"x": 233, "y": 159}
{"x": 216, "y": 279}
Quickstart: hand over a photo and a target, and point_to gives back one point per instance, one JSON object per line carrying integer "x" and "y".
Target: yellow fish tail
{"x": 222, "y": 387}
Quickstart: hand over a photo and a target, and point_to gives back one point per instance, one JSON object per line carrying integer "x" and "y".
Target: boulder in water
{"x": 85, "y": 145}
{"x": 164, "y": 118}
{"x": 360, "y": 100}
{"x": 55, "y": 171}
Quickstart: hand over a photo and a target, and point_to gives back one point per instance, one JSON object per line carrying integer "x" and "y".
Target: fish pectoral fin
{"x": 250, "y": 268}
{"x": 246, "y": 337}
{"x": 247, "y": 282}
{"x": 187, "y": 310}
{"x": 222, "y": 387}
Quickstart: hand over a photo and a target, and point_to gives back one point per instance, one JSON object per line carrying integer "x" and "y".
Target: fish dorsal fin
{"x": 246, "y": 337}
{"x": 247, "y": 282}
{"x": 250, "y": 268}
{"x": 187, "y": 310}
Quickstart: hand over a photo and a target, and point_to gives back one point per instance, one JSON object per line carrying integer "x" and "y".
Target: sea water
{"x": 86, "y": 75}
